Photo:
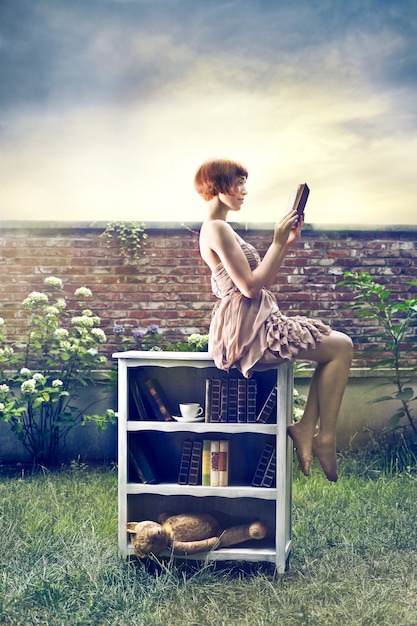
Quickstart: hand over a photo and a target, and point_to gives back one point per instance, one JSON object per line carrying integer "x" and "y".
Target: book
{"x": 141, "y": 463}
{"x": 185, "y": 462}
{"x": 214, "y": 463}
{"x": 269, "y": 474}
{"x": 224, "y": 400}
{"x": 268, "y": 406}
{"x": 208, "y": 400}
{"x": 262, "y": 466}
{"x": 158, "y": 400}
{"x": 300, "y": 200}
{"x": 205, "y": 463}
{"x": 141, "y": 411}
{"x": 232, "y": 401}
{"x": 251, "y": 400}
{"x": 223, "y": 463}
{"x": 195, "y": 463}
{"x": 242, "y": 403}
{"x": 215, "y": 400}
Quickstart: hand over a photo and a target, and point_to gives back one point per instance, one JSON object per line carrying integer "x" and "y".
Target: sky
{"x": 108, "y": 107}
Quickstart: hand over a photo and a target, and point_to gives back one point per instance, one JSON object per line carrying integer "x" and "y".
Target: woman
{"x": 249, "y": 331}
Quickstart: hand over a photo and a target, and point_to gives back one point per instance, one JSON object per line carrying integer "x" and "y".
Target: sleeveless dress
{"x": 252, "y": 333}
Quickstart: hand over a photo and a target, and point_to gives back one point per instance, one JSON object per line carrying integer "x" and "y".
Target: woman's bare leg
{"x": 333, "y": 356}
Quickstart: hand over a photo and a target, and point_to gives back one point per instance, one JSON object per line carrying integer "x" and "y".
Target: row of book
{"x": 235, "y": 400}
{"x": 203, "y": 462}
{"x": 208, "y": 459}
{"x": 211, "y": 458}
{"x": 231, "y": 400}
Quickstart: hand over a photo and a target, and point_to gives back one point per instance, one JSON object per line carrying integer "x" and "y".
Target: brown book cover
{"x": 301, "y": 198}
{"x": 159, "y": 400}
{"x": 223, "y": 463}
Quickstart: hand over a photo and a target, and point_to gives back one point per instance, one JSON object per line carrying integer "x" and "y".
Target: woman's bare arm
{"x": 219, "y": 237}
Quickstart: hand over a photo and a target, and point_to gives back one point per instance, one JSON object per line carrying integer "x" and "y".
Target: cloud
{"x": 111, "y": 106}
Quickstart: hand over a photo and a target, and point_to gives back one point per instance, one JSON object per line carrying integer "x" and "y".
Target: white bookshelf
{"x": 182, "y": 375}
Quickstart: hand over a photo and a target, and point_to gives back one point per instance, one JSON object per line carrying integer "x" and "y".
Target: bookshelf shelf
{"x": 151, "y": 448}
{"x": 172, "y": 427}
{"x": 171, "y": 489}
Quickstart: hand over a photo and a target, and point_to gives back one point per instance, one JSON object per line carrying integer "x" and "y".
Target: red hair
{"x": 217, "y": 176}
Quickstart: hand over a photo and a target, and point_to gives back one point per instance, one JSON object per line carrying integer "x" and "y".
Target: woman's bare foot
{"x": 326, "y": 454}
{"x": 303, "y": 443}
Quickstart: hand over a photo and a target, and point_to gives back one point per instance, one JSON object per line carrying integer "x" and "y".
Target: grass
{"x": 354, "y": 559}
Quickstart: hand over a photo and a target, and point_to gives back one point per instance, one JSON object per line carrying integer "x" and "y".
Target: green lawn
{"x": 354, "y": 559}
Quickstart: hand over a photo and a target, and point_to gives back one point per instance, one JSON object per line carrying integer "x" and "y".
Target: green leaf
{"x": 382, "y": 399}
{"x": 406, "y": 394}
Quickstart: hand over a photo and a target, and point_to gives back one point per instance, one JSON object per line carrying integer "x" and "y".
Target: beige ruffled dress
{"x": 253, "y": 334}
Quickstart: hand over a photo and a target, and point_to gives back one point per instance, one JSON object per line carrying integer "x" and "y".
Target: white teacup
{"x": 191, "y": 410}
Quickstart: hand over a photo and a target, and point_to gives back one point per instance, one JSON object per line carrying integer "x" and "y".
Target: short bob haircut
{"x": 217, "y": 176}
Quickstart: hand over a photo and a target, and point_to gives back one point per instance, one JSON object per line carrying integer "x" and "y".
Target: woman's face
{"x": 236, "y": 197}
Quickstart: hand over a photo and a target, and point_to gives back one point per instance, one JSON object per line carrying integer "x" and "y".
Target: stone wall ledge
{"x": 178, "y": 226}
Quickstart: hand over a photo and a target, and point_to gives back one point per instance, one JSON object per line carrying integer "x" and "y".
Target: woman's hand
{"x": 288, "y": 230}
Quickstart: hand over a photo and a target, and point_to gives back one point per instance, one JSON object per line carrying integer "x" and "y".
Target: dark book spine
{"x": 262, "y": 465}
{"x": 251, "y": 400}
{"x": 141, "y": 460}
{"x": 224, "y": 399}
{"x": 232, "y": 403}
{"x": 242, "y": 403}
{"x": 268, "y": 407}
{"x": 136, "y": 394}
{"x": 215, "y": 399}
{"x": 269, "y": 476}
{"x": 185, "y": 462}
{"x": 208, "y": 400}
{"x": 195, "y": 463}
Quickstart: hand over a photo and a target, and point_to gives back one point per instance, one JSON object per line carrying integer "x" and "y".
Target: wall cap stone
{"x": 195, "y": 226}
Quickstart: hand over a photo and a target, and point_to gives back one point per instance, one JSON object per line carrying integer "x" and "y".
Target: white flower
{"x": 65, "y": 345}
{"x": 25, "y": 371}
{"x": 2, "y": 322}
{"x": 82, "y": 320}
{"x": 92, "y": 351}
{"x": 35, "y": 298}
{"x": 83, "y": 292}
{"x": 1, "y": 406}
{"x": 38, "y": 377}
{"x": 4, "y": 388}
{"x": 51, "y": 281}
{"x": 99, "y": 335}
{"x": 57, "y": 383}
{"x": 60, "y": 303}
{"x": 61, "y": 332}
{"x": 51, "y": 310}
{"x": 28, "y": 386}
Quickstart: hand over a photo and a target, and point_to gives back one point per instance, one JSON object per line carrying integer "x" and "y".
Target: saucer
{"x": 180, "y": 418}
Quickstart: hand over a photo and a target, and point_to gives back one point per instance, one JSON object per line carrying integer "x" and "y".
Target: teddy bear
{"x": 189, "y": 533}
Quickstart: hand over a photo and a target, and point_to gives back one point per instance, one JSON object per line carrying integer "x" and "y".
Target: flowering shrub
{"x": 41, "y": 375}
{"x": 153, "y": 339}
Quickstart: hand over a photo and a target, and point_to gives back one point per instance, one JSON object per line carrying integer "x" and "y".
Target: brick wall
{"x": 170, "y": 286}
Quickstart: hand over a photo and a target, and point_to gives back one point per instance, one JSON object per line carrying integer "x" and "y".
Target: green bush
{"x": 42, "y": 374}
{"x": 396, "y": 320}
